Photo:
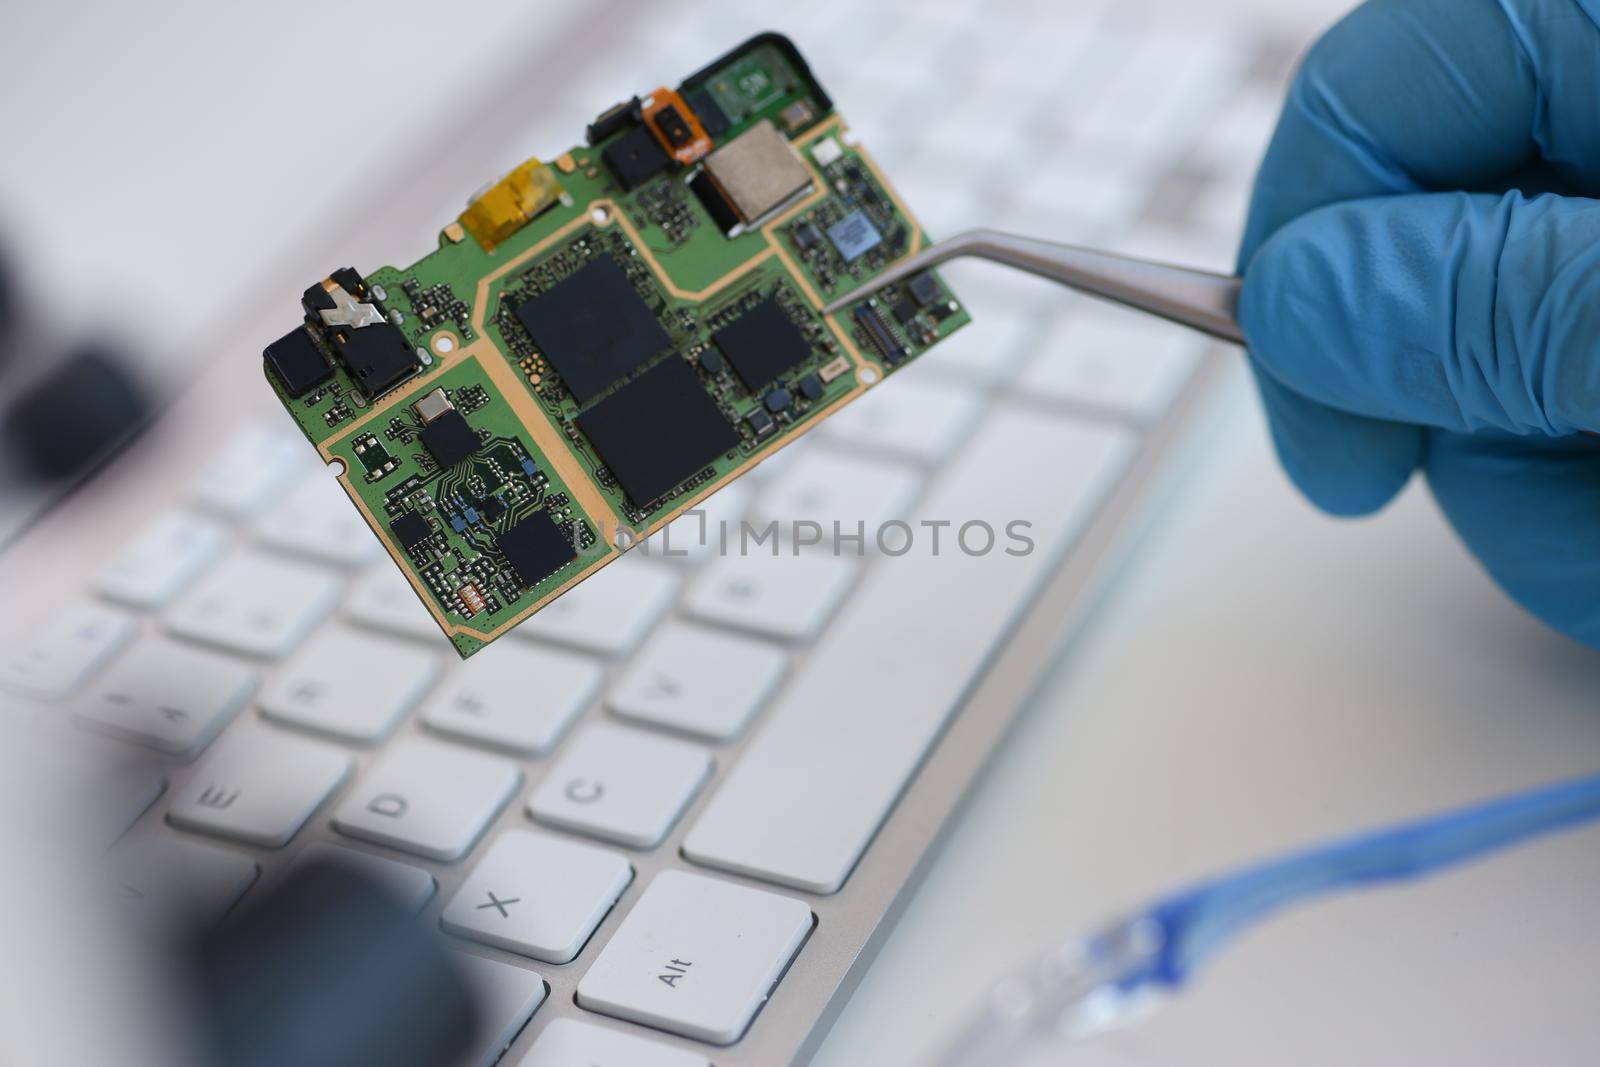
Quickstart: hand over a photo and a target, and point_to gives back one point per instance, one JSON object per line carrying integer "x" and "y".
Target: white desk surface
{"x": 1263, "y": 677}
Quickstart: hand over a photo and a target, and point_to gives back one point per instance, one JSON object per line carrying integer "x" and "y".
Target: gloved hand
{"x": 1422, "y": 281}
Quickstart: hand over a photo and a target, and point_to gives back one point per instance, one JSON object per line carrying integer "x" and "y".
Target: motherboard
{"x": 603, "y": 340}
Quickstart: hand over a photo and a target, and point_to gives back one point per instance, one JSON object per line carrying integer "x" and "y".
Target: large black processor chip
{"x": 762, "y": 344}
{"x": 658, "y": 430}
{"x": 449, "y": 439}
{"x": 592, "y": 327}
{"x": 536, "y": 548}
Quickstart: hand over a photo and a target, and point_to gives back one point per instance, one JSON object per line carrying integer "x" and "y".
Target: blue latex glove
{"x": 1405, "y": 310}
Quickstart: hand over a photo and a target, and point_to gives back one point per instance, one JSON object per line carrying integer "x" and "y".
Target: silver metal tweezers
{"x": 1199, "y": 299}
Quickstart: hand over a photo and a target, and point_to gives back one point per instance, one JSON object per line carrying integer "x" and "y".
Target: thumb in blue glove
{"x": 1395, "y": 326}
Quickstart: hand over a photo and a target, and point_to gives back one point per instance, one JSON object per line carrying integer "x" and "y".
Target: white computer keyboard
{"x": 695, "y": 747}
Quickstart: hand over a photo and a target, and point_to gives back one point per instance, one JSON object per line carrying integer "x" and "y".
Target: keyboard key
{"x": 700, "y": 532}
{"x": 506, "y": 998}
{"x": 158, "y": 564}
{"x": 259, "y": 786}
{"x": 119, "y": 798}
{"x": 104, "y": 792}
{"x": 620, "y": 785}
{"x": 428, "y": 798}
{"x": 610, "y": 613}
{"x": 168, "y": 696}
{"x": 54, "y": 659}
{"x": 350, "y": 685}
{"x": 520, "y": 698}
{"x": 787, "y": 597}
{"x": 698, "y": 681}
{"x": 317, "y": 520}
{"x": 1116, "y": 360}
{"x": 811, "y": 789}
{"x": 411, "y": 887}
{"x": 922, "y": 419}
{"x": 255, "y": 605}
{"x": 251, "y": 470}
{"x": 570, "y": 1043}
{"x": 383, "y": 600}
{"x": 537, "y": 895}
{"x": 837, "y": 492}
{"x": 696, "y": 957}
{"x": 165, "y": 882}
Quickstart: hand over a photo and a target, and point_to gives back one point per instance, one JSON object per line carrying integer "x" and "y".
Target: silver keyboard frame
{"x": 853, "y": 924}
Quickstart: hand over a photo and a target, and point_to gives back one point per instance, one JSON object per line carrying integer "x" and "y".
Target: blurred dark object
{"x": 329, "y": 971}
{"x": 73, "y": 415}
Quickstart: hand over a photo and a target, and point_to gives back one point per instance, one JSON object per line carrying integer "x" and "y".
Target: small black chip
{"x": 449, "y": 439}
{"x": 762, "y": 343}
{"x": 536, "y": 548}
{"x": 298, "y": 362}
{"x": 377, "y": 356}
{"x": 592, "y": 327}
{"x": 712, "y": 362}
{"x": 722, "y": 213}
{"x": 635, "y": 157}
{"x": 806, "y": 236}
{"x": 708, "y": 111}
{"x": 492, "y": 508}
{"x": 924, "y": 290}
{"x": 778, "y": 400}
{"x": 811, "y": 387}
{"x": 760, "y": 422}
{"x": 411, "y": 529}
{"x": 905, "y": 311}
{"x": 658, "y": 430}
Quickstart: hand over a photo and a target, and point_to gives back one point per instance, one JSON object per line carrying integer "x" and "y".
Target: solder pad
{"x": 575, "y": 334}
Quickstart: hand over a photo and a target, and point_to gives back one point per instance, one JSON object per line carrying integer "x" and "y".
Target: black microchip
{"x": 760, "y": 422}
{"x": 712, "y": 362}
{"x": 449, "y": 439}
{"x": 904, "y": 310}
{"x": 806, "y": 236}
{"x": 924, "y": 290}
{"x": 411, "y": 529}
{"x": 635, "y": 157}
{"x": 762, "y": 343}
{"x": 672, "y": 127}
{"x": 658, "y": 430}
{"x": 536, "y": 548}
{"x": 492, "y": 508}
{"x": 708, "y": 111}
{"x": 716, "y": 205}
{"x": 811, "y": 387}
{"x": 298, "y": 362}
{"x": 592, "y": 327}
{"x": 377, "y": 356}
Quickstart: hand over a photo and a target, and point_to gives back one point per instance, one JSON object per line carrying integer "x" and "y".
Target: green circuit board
{"x": 603, "y": 340}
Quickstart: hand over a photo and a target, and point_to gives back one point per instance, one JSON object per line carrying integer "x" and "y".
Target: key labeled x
{"x": 499, "y": 905}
